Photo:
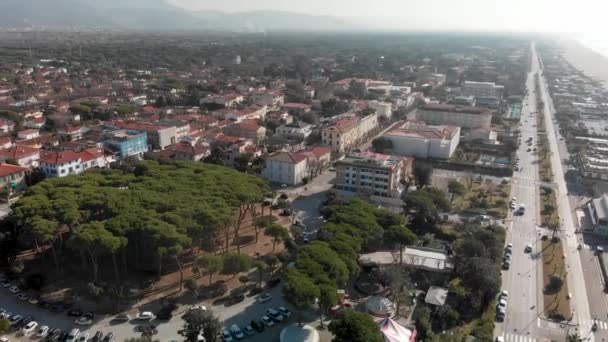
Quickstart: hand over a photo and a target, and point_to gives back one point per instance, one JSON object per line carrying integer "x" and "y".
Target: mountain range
{"x": 155, "y": 15}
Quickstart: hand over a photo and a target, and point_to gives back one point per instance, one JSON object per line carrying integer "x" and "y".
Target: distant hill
{"x": 154, "y": 15}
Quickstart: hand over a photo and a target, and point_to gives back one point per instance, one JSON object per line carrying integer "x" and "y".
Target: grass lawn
{"x": 485, "y": 197}
{"x": 556, "y": 305}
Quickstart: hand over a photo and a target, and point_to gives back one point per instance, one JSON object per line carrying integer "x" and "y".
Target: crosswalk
{"x": 519, "y": 338}
{"x": 588, "y": 323}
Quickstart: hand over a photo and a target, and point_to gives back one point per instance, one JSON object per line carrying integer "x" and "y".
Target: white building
{"x": 382, "y": 108}
{"x": 295, "y": 130}
{"x": 141, "y": 100}
{"x": 285, "y": 168}
{"x": 62, "y": 164}
{"x": 413, "y": 139}
{"x": 482, "y": 89}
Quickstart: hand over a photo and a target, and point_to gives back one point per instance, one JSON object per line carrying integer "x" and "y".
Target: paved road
{"x": 576, "y": 280}
{"x": 523, "y": 279}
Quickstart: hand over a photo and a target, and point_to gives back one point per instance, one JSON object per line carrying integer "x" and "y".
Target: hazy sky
{"x": 518, "y": 15}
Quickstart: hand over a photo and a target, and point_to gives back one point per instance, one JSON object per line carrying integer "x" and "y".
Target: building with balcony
{"x": 373, "y": 174}
{"x": 482, "y": 89}
{"x": 127, "y": 142}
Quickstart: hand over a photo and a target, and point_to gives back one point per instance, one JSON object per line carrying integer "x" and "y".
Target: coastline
{"x": 585, "y": 59}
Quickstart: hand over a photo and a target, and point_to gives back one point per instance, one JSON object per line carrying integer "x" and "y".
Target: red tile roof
{"x": 63, "y": 157}
{"x": 287, "y": 157}
{"x": 9, "y": 169}
{"x": 19, "y": 151}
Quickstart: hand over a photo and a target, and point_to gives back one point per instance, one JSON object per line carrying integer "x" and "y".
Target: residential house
{"x": 5, "y": 142}
{"x": 94, "y": 158}
{"x": 70, "y": 133}
{"x": 383, "y": 109}
{"x": 348, "y": 132}
{"x": 414, "y": 139}
{"x": 27, "y": 134}
{"x": 249, "y": 129}
{"x": 226, "y": 100}
{"x": 61, "y": 164}
{"x": 12, "y": 176}
{"x": 295, "y": 130}
{"x": 26, "y": 156}
{"x": 285, "y": 168}
{"x": 271, "y": 98}
{"x": 6, "y": 126}
{"x": 36, "y": 123}
{"x": 297, "y": 109}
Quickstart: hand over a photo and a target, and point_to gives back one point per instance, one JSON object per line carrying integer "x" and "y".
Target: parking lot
{"x": 240, "y": 313}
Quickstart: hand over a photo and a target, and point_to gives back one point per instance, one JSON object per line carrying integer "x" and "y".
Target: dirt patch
{"x": 556, "y": 303}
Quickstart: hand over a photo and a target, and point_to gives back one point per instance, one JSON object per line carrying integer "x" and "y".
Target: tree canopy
{"x": 355, "y": 326}
{"x": 150, "y": 212}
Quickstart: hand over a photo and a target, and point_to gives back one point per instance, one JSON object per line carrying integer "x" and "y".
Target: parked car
{"x": 83, "y": 320}
{"x": 98, "y": 336}
{"x": 6, "y": 284}
{"x": 53, "y": 335}
{"x": 84, "y": 337}
{"x": 248, "y": 330}
{"x": 264, "y": 298}
{"x": 33, "y": 300}
{"x": 234, "y": 299}
{"x": 273, "y": 282}
{"x": 145, "y": 316}
{"x": 257, "y": 325}
{"x": 284, "y": 311}
{"x": 123, "y": 317}
{"x": 110, "y": 337}
{"x": 226, "y": 336}
{"x": 29, "y": 328}
{"x": 275, "y": 315}
{"x": 73, "y": 335}
{"x": 14, "y": 289}
{"x": 42, "y": 331}
{"x": 528, "y": 248}
{"x": 197, "y": 308}
{"x": 267, "y": 321}
{"x": 22, "y": 296}
{"x": 236, "y": 331}
{"x": 15, "y": 319}
{"x": 75, "y": 313}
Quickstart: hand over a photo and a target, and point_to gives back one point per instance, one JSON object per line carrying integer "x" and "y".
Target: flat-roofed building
{"x": 373, "y": 174}
{"x": 415, "y": 139}
{"x": 452, "y": 115}
{"x": 482, "y": 89}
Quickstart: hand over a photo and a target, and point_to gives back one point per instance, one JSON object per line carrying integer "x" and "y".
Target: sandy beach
{"x": 591, "y": 63}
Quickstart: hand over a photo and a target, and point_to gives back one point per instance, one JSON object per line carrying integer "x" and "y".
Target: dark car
{"x": 62, "y": 336}
{"x": 97, "y": 337}
{"x": 216, "y": 290}
{"x": 25, "y": 321}
{"x": 254, "y": 291}
{"x": 75, "y": 313}
{"x": 257, "y": 325}
{"x": 273, "y": 282}
{"x": 89, "y": 315}
{"x": 109, "y": 337}
{"x": 235, "y": 299}
{"x": 57, "y": 308}
{"x": 166, "y": 312}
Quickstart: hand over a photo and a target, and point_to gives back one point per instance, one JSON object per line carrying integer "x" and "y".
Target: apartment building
{"x": 346, "y": 133}
{"x": 159, "y": 137}
{"x": 452, "y": 115}
{"x": 482, "y": 89}
{"x": 127, "y": 143}
{"x": 373, "y": 174}
{"x": 295, "y": 130}
{"x": 415, "y": 139}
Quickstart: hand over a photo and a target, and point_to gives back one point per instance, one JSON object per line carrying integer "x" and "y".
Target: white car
{"x": 275, "y": 315}
{"x": 29, "y": 328}
{"x": 502, "y": 304}
{"x": 14, "y": 289}
{"x": 504, "y": 294}
{"x": 145, "y": 316}
{"x": 83, "y": 337}
{"x": 6, "y": 284}
{"x": 267, "y": 321}
{"x": 198, "y": 307}
{"x": 236, "y": 331}
{"x": 263, "y": 298}
{"x": 82, "y": 320}
{"x": 509, "y": 246}
{"x": 4, "y": 339}
{"x": 23, "y": 296}
{"x": 42, "y": 331}
{"x": 284, "y": 311}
